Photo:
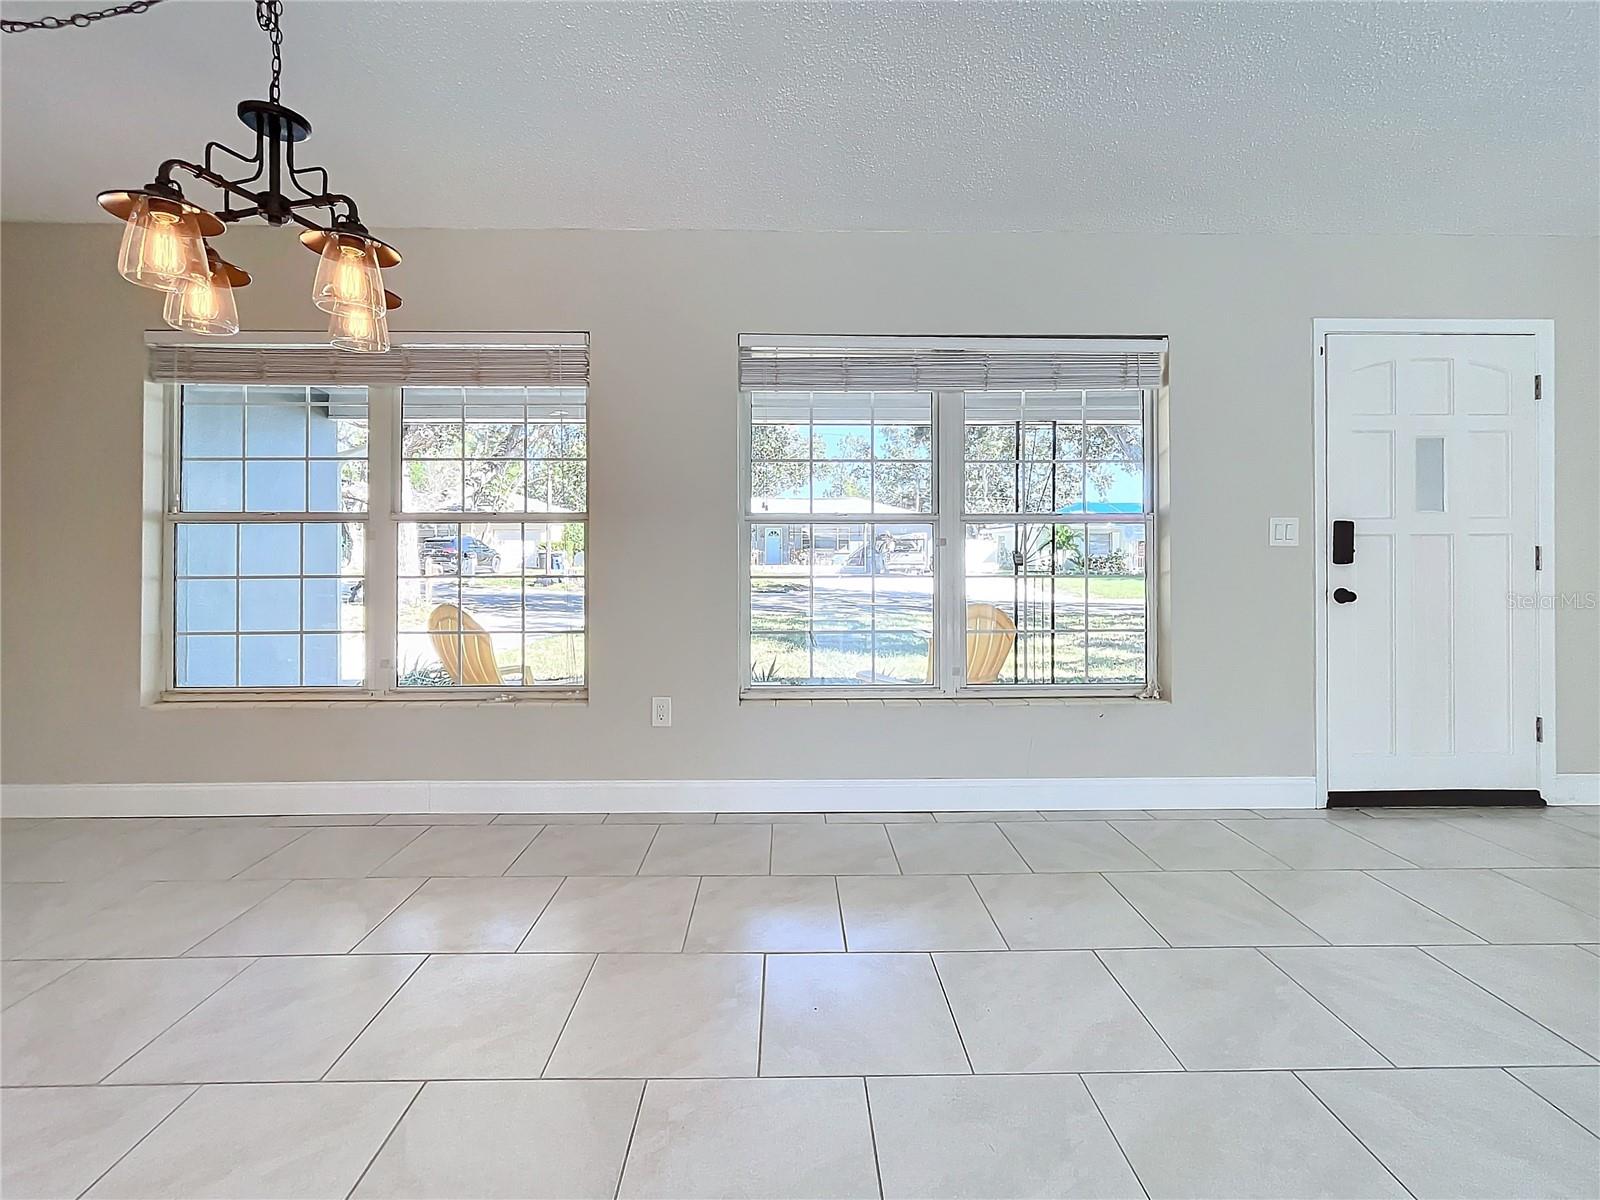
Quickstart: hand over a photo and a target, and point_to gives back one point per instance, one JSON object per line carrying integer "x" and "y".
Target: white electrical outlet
{"x": 661, "y": 711}
{"x": 1283, "y": 531}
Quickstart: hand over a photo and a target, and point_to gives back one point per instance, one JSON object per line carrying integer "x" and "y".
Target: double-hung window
{"x": 407, "y": 526}
{"x": 940, "y": 517}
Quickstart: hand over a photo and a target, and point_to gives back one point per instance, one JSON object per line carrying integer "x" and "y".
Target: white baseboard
{"x": 651, "y": 795}
{"x": 1575, "y": 789}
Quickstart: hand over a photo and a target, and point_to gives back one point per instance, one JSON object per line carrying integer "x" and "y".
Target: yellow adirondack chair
{"x": 990, "y": 636}
{"x": 469, "y": 658}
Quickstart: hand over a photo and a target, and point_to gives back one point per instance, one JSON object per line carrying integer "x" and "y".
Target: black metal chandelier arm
{"x": 258, "y": 160}
{"x": 329, "y": 200}
{"x": 296, "y": 171}
{"x": 79, "y": 20}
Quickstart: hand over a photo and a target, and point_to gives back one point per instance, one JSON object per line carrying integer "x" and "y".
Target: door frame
{"x": 1543, "y": 333}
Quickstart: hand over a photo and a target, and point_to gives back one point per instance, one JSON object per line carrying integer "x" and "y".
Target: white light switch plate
{"x": 1283, "y": 531}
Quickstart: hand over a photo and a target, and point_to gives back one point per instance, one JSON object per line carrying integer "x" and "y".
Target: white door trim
{"x": 1544, "y": 341}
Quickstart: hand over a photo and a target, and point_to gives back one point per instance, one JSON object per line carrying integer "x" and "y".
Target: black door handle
{"x": 1343, "y": 596}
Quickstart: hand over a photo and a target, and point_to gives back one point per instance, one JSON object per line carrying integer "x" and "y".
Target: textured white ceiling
{"x": 1312, "y": 117}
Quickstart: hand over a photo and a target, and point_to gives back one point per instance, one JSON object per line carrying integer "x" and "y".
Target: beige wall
{"x": 665, "y": 310}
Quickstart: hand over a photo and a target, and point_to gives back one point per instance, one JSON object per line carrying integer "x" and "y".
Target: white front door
{"x": 1432, "y": 630}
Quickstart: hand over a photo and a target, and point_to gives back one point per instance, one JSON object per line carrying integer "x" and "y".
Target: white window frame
{"x": 950, "y": 522}
{"x": 382, "y": 522}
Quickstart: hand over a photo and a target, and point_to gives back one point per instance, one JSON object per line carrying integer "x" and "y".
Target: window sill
{"x": 918, "y": 701}
{"x": 176, "y": 702}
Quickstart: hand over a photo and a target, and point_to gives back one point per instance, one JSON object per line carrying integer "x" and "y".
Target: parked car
{"x": 468, "y": 555}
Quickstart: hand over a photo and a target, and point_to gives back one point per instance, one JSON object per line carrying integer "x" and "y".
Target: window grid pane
{"x": 841, "y": 454}
{"x": 492, "y": 604}
{"x": 841, "y": 603}
{"x": 272, "y": 449}
{"x": 494, "y": 450}
{"x": 269, "y": 605}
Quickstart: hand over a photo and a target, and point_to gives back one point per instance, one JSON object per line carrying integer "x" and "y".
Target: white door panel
{"x": 1432, "y": 670}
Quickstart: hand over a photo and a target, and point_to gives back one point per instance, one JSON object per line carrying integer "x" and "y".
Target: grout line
{"x": 1374, "y": 1070}
{"x": 1094, "y": 1100}
{"x": 1137, "y": 849}
{"x": 405, "y": 1112}
{"x": 699, "y": 882}
{"x": 166, "y": 1028}
{"x": 628, "y": 1149}
{"x": 359, "y": 953}
{"x": 543, "y": 908}
{"x": 594, "y": 961}
{"x": 502, "y": 874}
{"x": 47, "y": 982}
{"x": 761, "y": 1018}
{"x": 973, "y": 884}
{"x": 872, "y": 1133}
{"x": 422, "y": 830}
{"x": 1414, "y": 865}
{"x": 838, "y": 902}
{"x": 1509, "y": 1071}
{"x": 1373, "y": 875}
{"x": 1126, "y": 899}
{"x": 1352, "y": 1133}
{"x": 1321, "y": 941}
{"x": 276, "y": 850}
{"x": 1279, "y": 967}
{"x": 1015, "y": 849}
{"x": 410, "y": 975}
{"x": 950, "y": 1008}
{"x": 142, "y": 1137}
{"x": 894, "y": 853}
{"x": 1484, "y": 988}
{"x": 1106, "y": 967}
{"x": 282, "y": 883}
{"x": 655, "y": 832}
{"x": 538, "y": 833}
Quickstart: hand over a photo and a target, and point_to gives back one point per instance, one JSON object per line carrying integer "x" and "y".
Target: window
{"x": 943, "y": 517}
{"x": 493, "y": 487}
{"x": 378, "y": 539}
{"x": 270, "y": 537}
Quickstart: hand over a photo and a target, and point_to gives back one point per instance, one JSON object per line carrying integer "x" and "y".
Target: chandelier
{"x": 165, "y": 247}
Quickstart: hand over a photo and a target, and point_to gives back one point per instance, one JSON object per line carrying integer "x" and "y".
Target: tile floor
{"x": 1218, "y": 1004}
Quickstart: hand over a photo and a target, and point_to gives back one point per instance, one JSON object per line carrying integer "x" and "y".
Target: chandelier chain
{"x": 268, "y": 13}
{"x": 80, "y": 20}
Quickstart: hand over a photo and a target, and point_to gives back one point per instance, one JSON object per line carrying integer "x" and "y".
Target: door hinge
{"x": 1538, "y": 729}
{"x": 1538, "y": 558}
{"x": 1538, "y": 387}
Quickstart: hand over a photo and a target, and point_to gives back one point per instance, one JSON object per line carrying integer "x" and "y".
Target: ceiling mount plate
{"x": 274, "y": 120}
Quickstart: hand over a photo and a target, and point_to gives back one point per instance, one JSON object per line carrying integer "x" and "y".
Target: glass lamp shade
{"x": 360, "y": 330}
{"x": 348, "y": 276}
{"x": 161, "y": 246}
{"x": 204, "y": 307}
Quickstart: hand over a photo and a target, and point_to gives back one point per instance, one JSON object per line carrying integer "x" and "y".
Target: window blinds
{"x": 559, "y": 362}
{"x": 971, "y": 364}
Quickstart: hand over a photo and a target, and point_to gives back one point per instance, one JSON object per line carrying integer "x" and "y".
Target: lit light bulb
{"x": 348, "y": 276}
{"x": 204, "y": 306}
{"x": 360, "y": 330}
{"x": 161, "y": 246}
